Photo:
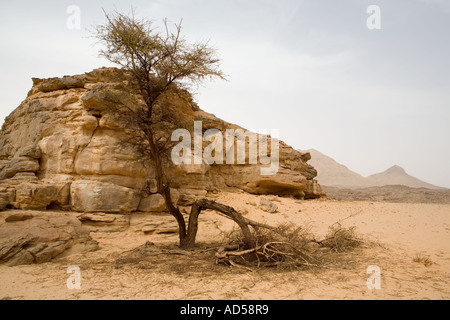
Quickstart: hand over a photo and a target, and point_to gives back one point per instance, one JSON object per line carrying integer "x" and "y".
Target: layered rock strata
{"x": 67, "y": 147}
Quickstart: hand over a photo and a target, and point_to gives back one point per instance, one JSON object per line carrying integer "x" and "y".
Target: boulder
{"x": 11, "y": 249}
{"x": 313, "y": 189}
{"x": 101, "y": 223}
{"x": 20, "y": 216}
{"x": 285, "y": 183}
{"x": 40, "y": 195}
{"x": 268, "y": 206}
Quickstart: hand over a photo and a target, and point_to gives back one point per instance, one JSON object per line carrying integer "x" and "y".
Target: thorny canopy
{"x": 155, "y": 58}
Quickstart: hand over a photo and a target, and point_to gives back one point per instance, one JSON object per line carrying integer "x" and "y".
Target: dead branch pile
{"x": 287, "y": 247}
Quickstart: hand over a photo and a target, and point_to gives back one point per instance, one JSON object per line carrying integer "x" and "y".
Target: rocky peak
{"x": 395, "y": 170}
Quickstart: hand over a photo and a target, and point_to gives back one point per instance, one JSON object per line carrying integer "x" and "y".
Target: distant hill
{"x": 397, "y": 176}
{"x": 398, "y": 194}
{"x": 334, "y": 174}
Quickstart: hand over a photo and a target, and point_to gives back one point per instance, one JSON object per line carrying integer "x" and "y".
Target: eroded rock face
{"x": 37, "y": 237}
{"x": 67, "y": 146}
{"x": 93, "y": 196}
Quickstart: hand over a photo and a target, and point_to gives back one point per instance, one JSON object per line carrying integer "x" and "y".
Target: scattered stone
{"x": 273, "y": 198}
{"x": 268, "y": 206}
{"x": 21, "y": 216}
{"x": 152, "y": 229}
{"x": 104, "y": 223}
{"x": 97, "y": 217}
{"x": 242, "y": 210}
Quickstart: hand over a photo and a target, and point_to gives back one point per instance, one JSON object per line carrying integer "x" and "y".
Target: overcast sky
{"x": 370, "y": 99}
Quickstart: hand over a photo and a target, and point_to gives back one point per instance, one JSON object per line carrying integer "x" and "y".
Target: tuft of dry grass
{"x": 426, "y": 261}
{"x": 340, "y": 239}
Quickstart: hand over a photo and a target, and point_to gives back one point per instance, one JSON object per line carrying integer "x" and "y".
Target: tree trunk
{"x": 202, "y": 204}
{"x": 174, "y": 211}
{"x": 163, "y": 188}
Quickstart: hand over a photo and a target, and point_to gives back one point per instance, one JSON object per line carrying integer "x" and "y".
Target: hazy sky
{"x": 313, "y": 69}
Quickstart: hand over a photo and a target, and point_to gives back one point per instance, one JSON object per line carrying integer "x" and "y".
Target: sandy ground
{"x": 394, "y": 234}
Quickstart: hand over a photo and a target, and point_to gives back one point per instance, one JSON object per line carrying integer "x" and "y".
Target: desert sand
{"x": 394, "y": 235}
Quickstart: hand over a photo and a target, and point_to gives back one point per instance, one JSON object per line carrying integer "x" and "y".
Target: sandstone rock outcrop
{"x": 37, "y": 237}
{"x": 66, "y": 147}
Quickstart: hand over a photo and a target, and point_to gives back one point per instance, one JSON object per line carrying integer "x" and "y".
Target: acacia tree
{"x": 157, "y": 61}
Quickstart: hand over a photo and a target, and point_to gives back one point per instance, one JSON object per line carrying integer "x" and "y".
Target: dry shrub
{"x": 288, "y": 247}
{"x": 340, "y": 239}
